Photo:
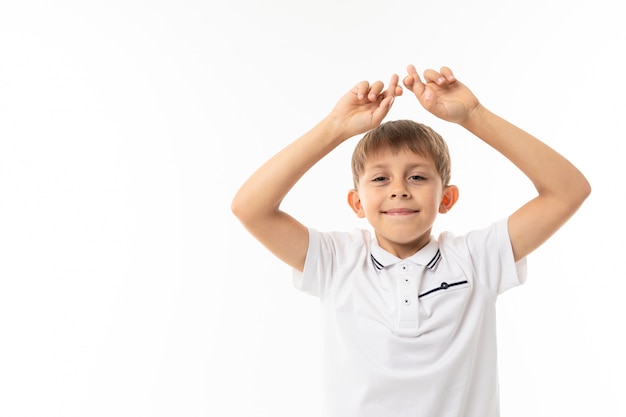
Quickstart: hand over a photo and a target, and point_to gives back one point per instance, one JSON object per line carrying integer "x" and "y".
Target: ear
{"x": 449, "y": 198}
{"x": 354, "y": 200}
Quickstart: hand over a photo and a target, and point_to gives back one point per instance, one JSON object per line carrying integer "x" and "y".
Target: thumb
{"x": 413, "y": 82}
{"x": 381, "y": 111}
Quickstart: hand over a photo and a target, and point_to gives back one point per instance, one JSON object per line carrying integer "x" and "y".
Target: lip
{"x": 400, "y": 211}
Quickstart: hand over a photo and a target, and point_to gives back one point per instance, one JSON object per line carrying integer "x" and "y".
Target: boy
{"x": 409, "y": 320}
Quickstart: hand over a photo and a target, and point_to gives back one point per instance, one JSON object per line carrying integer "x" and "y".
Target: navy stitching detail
{"x": 443, "y": 286}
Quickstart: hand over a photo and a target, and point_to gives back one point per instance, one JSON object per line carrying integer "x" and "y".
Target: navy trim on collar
{"x": 435, "y": 260}
{"x": 429, "y": 256}
{"x": 376, "y": 264}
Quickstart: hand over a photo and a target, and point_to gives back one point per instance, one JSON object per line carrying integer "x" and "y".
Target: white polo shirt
{"x": 410, "y": 337}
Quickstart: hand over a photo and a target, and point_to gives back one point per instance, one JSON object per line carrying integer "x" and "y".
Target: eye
{"x": 417, "y": 178}
{"x": 379, "y": 179}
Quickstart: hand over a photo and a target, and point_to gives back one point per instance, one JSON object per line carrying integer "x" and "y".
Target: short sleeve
{"x": 307, "y": 281}
{"x": 328, "y": 257}
{"x": 492, "y": 257}
{"x": 488, "y": 254}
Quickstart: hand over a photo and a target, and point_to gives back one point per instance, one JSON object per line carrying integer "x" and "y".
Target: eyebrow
{"x": 384, "y": 166}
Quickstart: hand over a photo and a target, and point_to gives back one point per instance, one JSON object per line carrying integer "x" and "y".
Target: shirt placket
{"x": 406, "y": 293}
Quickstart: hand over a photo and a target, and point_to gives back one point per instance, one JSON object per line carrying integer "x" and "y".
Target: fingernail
{"x": 440, "y": 80}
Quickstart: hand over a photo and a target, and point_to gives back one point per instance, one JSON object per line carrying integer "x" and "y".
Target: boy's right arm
{"x": 257, "y": 203}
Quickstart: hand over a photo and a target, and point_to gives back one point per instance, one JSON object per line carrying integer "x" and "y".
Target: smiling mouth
{"x": 400, "y": 212}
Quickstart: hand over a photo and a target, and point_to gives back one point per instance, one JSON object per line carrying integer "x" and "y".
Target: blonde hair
{"x": 400, "y": 135}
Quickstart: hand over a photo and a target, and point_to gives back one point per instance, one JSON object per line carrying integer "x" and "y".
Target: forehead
{"x": 387, "y": 158}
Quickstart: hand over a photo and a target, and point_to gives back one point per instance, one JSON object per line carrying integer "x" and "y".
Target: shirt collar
{"x": 429, "y": 256}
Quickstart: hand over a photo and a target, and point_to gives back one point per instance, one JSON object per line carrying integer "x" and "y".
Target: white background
{"x": 127, "y": 288}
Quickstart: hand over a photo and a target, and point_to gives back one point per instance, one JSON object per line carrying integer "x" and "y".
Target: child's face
{"x": 400, "y": 195}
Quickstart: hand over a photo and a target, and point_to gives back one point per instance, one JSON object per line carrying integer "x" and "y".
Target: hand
{"x": 365, "y": 106}
{"x": 442, "y": 94}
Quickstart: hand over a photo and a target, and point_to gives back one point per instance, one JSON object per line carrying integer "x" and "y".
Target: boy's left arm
{"x": 561, "y": 187}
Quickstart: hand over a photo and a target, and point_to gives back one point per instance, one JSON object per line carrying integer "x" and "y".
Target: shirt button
{"x": 407, "y": 301}
{"x": 404, "y": 268}
{"x": 444, "y": 285}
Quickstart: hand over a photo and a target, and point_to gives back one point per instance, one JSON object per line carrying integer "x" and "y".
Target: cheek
{"x": 369, "y": 205}
{"x": 432, "y": 198}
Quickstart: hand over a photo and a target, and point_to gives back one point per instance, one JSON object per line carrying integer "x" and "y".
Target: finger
{"x": 432, "y": 76}
{"x": 385, "y": 105}
{"x": 382, "y": 109}
{"x": 413, "y": 81}
{"x": 411, "y": 77}
{"x": 375, "y": 89}
{"x": 397, "y": 89}
{"x": 393, "y": 89}
{"x": 447, "y": 73}
{"x": 361, "y": 89}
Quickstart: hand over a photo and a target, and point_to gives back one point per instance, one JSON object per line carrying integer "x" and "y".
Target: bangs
{"x": 402, "y": 135}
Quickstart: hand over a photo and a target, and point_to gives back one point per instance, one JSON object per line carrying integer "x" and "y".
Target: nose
{"x": 403, "y": 194}
{"x": 399, "y": 191}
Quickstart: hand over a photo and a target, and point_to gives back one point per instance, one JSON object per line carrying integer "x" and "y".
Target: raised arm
{"x": 561, "y": 187}
{"x": 257, "y": 203}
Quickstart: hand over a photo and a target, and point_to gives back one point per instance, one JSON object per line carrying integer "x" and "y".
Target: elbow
{"x": 570, "y": 196}
{"x": 584, "y": 190}
{"x": 247, "y": 211}
{"x": 237, "y": 207}
{"x": 587, "y": 190}
{"x": 579, "y": 192}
